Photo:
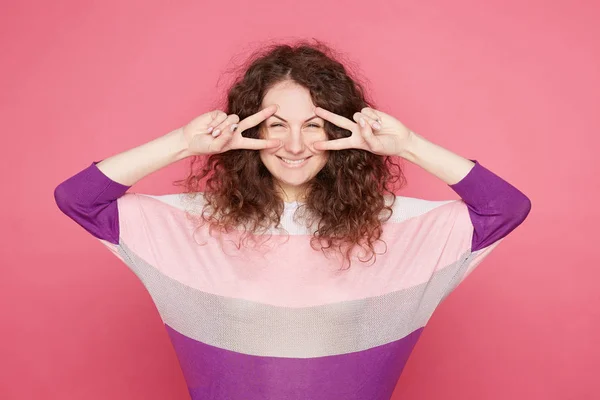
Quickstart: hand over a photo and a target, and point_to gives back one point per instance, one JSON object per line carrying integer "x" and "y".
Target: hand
{"x": 381, "y": 134}
{"x": 217, "y": 132}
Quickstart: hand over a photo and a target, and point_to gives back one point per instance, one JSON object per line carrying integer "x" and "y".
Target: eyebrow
{"x": 313, "y": 117}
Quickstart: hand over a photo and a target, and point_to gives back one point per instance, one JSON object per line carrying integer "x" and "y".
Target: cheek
{"x": 322, "y": 158}
{"x": 265, "y": 157}
{"x": 318, "y": 135}
{"x": 272, "y": 132}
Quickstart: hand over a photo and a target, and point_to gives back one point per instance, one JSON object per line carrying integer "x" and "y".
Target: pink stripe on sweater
{"x": 161, "y": 235}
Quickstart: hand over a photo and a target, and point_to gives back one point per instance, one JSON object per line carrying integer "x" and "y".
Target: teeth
{"x": 293, "y": 161}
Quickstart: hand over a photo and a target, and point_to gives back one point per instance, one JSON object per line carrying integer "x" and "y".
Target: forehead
{"x": 294, "y": 101}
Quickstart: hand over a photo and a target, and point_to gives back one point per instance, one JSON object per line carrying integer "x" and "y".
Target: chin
{"x": 296, "y": 173}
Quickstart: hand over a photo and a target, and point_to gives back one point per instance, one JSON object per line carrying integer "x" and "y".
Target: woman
{"x": 296, "y": 273}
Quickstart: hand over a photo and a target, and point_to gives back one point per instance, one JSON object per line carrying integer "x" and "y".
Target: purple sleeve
{"x": 90, "y": 199}
{"x": 496, "y": 207}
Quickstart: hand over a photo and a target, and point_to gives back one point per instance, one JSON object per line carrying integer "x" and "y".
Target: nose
{"x": 294, "y": 142}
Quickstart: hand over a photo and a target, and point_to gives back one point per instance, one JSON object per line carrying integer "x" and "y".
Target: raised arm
{"x": 495, "y": 206}
{"x": 90, "y": 196}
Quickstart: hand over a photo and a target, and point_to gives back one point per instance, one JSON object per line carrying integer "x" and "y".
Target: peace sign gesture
{"x": 216, "y": 132}
{"x": 376, "y": 131}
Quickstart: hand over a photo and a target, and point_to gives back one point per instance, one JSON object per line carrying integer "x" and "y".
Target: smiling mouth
{"x": 294, "y": 162}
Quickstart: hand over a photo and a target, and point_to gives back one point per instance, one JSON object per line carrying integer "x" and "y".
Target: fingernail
{"x": 376, "y": 125}
{"x": 361, "y": 122}
{"x": 210, "y": 129}
{"x": 216, "y": 132}
{"x": 233, "y": 127}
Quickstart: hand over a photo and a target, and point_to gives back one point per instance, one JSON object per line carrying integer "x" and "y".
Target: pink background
{"x": 515, "y": 86}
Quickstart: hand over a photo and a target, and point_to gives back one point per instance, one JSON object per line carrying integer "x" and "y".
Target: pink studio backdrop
{"x": 512, "y": 84}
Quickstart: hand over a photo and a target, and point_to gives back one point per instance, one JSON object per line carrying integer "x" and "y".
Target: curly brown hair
{"x": 345, "y": 201}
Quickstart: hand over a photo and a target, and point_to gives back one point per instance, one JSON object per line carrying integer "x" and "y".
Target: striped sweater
{"x": 286, "y": 322}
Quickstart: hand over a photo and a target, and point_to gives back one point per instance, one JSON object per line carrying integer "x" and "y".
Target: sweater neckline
{"x": 291, "y": 205}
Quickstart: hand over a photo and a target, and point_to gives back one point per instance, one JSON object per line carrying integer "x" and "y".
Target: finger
{"x": 373, "y": 117}
{"x": 217, "y": 116}
{"x": 371, "y": 113}
{"x": 224, "y": 133}
{"x": 370, "y": 121}
{"x": 335, "y": 144}
{"x": 221, "y": 141}
{"x": 373, "y": 144}
{"x": 364, "y": 126}
{"x": 257, "y": 118}
{"x": 257, "y": 144}
{"x": 227, "y": 125}
{"x": 335, "y": 119}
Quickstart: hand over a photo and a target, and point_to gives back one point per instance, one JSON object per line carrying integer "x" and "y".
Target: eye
{"x": 310, "y": 125}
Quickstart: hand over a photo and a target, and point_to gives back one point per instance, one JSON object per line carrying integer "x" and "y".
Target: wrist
{"x": 178, "y": 144}
{"x": 410, "y": 148}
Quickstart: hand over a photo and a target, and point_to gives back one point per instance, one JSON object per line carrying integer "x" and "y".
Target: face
{"x": 296, "y": 161}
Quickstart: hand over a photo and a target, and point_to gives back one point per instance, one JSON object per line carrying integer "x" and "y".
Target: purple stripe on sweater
{"x": 89, "y": 198}
{"x": 214, "y": 373}
{"x": 495, "y": 206}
